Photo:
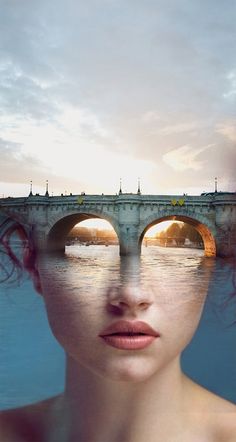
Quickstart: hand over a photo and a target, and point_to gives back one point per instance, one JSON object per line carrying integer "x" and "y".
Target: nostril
{"x": 114, "y": 309}
{"x": 119, "y": 304}
{"x": 144, "y": 305}
{"x": 123, "y": 304}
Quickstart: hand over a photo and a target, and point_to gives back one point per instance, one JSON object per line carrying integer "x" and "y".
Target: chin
{"x": 129, "y": 371}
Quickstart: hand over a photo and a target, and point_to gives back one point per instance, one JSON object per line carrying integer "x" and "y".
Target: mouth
{"x": 128, "y": 335}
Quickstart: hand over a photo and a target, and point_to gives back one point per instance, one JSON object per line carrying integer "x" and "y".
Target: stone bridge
{"x": 131, "y": 215}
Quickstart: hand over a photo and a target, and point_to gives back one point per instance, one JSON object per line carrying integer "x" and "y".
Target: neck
{"x": 100, "y": 409}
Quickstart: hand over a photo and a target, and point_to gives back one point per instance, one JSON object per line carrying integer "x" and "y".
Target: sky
{"x": 94, "y": 91}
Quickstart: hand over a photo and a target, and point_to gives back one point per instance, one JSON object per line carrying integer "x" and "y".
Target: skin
{"x": 116, "y": 395}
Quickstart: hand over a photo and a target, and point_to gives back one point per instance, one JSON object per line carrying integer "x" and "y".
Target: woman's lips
{"x": 125, "y": 342}
{"x": 129, "y": 335}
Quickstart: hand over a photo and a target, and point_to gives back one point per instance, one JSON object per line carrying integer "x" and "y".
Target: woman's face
{"x": 84, "y": 296}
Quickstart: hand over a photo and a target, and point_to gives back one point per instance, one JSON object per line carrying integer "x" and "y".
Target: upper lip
{"x": 129, "y": 327}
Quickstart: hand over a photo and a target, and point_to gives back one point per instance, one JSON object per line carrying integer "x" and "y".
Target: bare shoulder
{"x": 228, "y": 427}
{"x": 218, "y": 414}
{"x": 28, "y": 423}
{"x": 222, "y": 418}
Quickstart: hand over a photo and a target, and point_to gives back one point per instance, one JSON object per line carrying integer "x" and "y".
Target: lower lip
{"x": 129, "y": 342}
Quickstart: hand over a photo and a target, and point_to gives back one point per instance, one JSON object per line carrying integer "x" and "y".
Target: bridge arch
{"x": 59, "y": 228}
{"x": 201, "y": 225}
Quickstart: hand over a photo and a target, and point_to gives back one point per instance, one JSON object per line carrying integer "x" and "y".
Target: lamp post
{"x": 46, "y": 193}
{"x": 31, "y": 188}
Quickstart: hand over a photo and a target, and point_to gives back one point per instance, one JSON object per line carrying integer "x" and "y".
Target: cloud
{"x": 228, "y": 129}
{"x": 231, "y": 77}
{"x": 185, "y": 157}
{"x": 25, "y": 95}
{"x": 19, "y": 168}
{"x": 15, "y": 166}
{"x": 179, "y": 128}
{"x": 105, "y": 81}
{"x": 151, "y": 116}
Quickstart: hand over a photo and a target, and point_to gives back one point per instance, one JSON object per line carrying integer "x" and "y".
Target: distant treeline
{"x": 177, "y": 231}
{"x": 180, "y": 232}
{"x": 87, "y": 234}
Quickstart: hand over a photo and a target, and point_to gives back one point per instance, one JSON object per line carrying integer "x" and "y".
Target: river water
{"x": 93, "y": 269}
{"x": 32, "y": 367}
{"x": 156, "y": 264}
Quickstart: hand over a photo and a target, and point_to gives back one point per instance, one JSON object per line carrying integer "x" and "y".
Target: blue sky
{"x": 92, "y": 91}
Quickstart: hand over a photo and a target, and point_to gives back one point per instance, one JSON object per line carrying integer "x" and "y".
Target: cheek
{"x": 180, "y": 321}
{"x": 72, "y": 313}
{"x": 179, "y": 303}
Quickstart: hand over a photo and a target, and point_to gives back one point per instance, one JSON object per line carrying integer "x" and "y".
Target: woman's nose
{"x": 128, "y": 299}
